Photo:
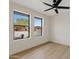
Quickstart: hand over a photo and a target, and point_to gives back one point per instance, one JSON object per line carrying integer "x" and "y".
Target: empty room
{"x": 39, "y": 29}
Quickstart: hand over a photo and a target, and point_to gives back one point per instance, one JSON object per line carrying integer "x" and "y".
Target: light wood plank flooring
{"x": 45, "y": 51}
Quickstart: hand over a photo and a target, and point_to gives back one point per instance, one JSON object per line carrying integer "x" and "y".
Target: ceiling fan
{"x": 55, "y": 6}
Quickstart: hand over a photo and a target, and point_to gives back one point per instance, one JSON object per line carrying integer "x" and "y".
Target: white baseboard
{"x": 61, "y": 42}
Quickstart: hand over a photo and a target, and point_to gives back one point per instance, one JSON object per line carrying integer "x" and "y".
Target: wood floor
{"x": 45, "y": 51}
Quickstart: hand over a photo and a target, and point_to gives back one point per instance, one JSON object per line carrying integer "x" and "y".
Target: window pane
{"x": 38, "y": 26}
{"x": 21, "y": 25}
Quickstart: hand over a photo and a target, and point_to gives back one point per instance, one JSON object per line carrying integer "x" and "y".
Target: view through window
{"x": 37, "y": 26}
{"x": 21, "y": 25}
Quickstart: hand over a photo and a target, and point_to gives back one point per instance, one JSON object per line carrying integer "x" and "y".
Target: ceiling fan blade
{"x": 58, "y": 2}
{"x": 56, "y": 10}
{"x": 48, "y": 9}
{"x": 63, "y": 7}
{"x": 47, "y": 4}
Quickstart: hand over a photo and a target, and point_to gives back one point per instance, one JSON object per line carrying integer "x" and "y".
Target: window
{"x": 21, "y": 25}
{"x": 37, "y": 26}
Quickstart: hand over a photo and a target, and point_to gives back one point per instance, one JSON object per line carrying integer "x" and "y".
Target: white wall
{"x": 22, "y": 44}
{"x": 60, "y": 30}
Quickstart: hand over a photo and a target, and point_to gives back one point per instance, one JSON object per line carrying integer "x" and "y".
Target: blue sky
{"x": 37, "y": 22}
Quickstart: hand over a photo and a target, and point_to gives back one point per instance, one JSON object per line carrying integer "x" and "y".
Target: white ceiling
{"x": 37, "y": 5}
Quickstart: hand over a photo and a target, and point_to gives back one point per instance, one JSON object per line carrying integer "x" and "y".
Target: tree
{"x": 22, "y": 21}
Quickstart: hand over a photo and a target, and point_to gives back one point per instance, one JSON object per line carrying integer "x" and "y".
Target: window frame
{"x": 40, "y": 18}
{"x": 23, "y": 14}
